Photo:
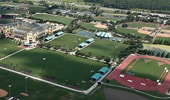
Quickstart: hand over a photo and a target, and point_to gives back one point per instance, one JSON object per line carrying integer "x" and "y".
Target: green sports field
{"x": 7, "y": 47}
{"x": 104, "y": 48}
{"x": 105, "y": 19}
{"x": 36, "y": 90}
{"x": 147, "y": 68}
{"x": 5, "y": 21}
{"x": 58, "y": 67}
{"x": 130, "y": 31}
{"x": 54, "y": 18}
{"x": 167, "y": 27}
{"x": 141, "y": 24}
{"x": 89, "y": 26}
{"x": 68, "y": 41}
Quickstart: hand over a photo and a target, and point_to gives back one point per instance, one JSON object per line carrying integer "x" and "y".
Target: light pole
{"x": 26, "y": 85}
{"x": 43, "y": 62}
{"x": 9, "y": 90}
{"x": 4, "y": 51}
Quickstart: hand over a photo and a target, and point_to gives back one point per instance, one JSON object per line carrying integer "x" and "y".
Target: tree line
{"x": 130, "y": 4}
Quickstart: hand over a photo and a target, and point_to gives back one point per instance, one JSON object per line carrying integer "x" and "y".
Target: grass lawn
{"x": 36, "y": 90}
{"x": 9, "y": 45}
{"x": 68, "y": 41}
{"x": 162, "y": 38}
{"x": 130, "y": 31}
{"x": 89, "y": 26}
{"x": 141, "y": 24}
{"x": 55, "y": 18}
{"x": 149, "y": 70}
{"x": 36, "y": 8}
{"x": 12, "y": 12}
{"x": 5, "y": 21}
{"x": 105, "y": 19}
{"x": 163, "y": 47}
{"x": 58, "y": 67}
{"x": 167, "y": 27}
{"x": 104, "y": 48}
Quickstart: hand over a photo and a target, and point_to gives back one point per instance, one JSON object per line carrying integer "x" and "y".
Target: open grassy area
{"x": 58, "y": 67}
{"x": 5, "y": 21}
{"x": 104, "y": 48}
{"x": 37, "y": 90}
{"x": 89, "y": 26}
{"x": 162, "y": 38}
{"x": 150, "y": 70}
{"x": 35, "y": 8}
{"x": 54, "y": 18}
{"x": 7, "y": 47}
{"x": 12, "y": 12}
{"x": 130, "y": 31}
{"x": 105, "y": 19}
{"x": 68, "y": 41}
{"x": 141, "y": 24}
{"x": 167, "y": 27}
{"x": 163, "y": 47}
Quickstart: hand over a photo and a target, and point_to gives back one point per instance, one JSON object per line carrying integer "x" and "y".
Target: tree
{"x": 2, "y": 36}
{"x": 124, "y": 25}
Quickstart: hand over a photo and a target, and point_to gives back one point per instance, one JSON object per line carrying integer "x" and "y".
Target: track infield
{"x": 142, "y": 72}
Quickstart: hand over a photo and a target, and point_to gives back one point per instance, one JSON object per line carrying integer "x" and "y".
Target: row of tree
{"x": 151, "y": 52}
{"x": 160, "y": 41}
{"x": 130, "y": 4}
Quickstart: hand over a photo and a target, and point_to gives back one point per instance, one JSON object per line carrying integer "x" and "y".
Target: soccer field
{"x": 130, "y": 31}
{"x": 141, "y": 24}
{"x": 147, "y": 68}
{"x": 68, "y": 41}
{"x": 7, "y": 47}
{"x": 58, "y": 67}
{"x": 55, "y": 18}
{"x": 36, "y": 90}
{"x": 104, "y": 48}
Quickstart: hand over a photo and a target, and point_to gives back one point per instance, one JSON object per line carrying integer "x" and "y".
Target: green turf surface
{"x": 89, "y": 26}
{"x": 68, "y": 41}
{"x": 12, "y": 12}
{"x": 9, "y": 45}
{"x": 162, "y": 38}
{"x": 54, "y": 18}
{"x": 57, "y": 66}
{"x": 36, "y": 90}
{"x": 141, "y": 24}
{"x": 167, "y": 27}
{"x": 130, "y": 31}
{"x": 149, "y": 70}
{"x": 104, "y": 48}
{"x": 35, "y": 8}
{"x": 105, "y": 19}
{"x": 5, "y": 21}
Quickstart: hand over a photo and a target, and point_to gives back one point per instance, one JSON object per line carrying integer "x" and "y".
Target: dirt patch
{"x": 99, "y": 25}
{"x": 146, "y": 30}
{"x": 3, "y": 93}
{"x": 147, "y": 60}
{"x": 24, "y": 94}
{"x": 164, "y": 33}
{"x": 160, "y": 63}
{"x": 112, "y": 94}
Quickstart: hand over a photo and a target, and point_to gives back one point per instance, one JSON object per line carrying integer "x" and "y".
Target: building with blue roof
{"x": 89, "y": 40}
{"x": 81, "y": 45}
{"x": 96, "y": 76}
{"x": 103, "y": 35}
{"x": 59, "y": 33}
{"x": 49, "y": 38}
{"x": 103, "y": 70}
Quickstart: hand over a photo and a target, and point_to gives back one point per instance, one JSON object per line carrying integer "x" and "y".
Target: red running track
{"x": 149, "y": 85}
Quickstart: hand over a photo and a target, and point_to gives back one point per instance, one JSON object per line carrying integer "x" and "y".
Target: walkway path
{"x": 12, "y": 54}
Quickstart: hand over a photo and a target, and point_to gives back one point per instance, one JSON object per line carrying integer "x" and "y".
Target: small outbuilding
{"x": 59, "y": 33}
{"x": 103, "y": 70}
{"x": 90, "y": 40}
{"x": 82, "y": 45}
{"x": 96, "y": 76}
